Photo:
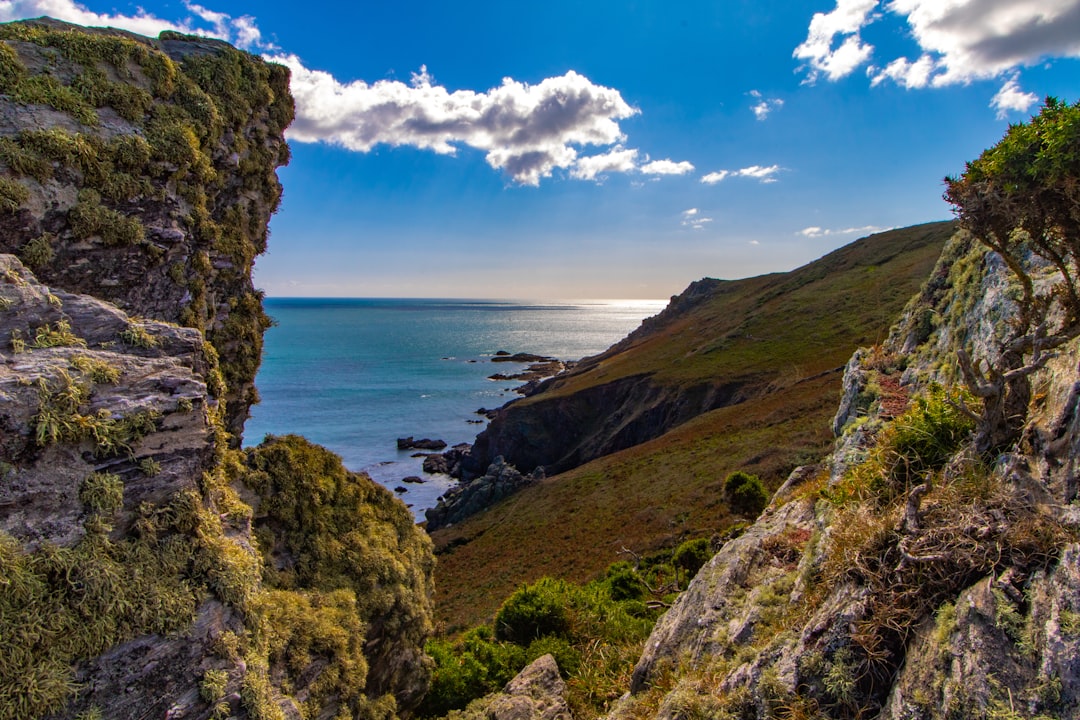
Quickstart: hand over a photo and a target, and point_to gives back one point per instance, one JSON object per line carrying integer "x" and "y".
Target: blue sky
{"x": 569, "y": 150}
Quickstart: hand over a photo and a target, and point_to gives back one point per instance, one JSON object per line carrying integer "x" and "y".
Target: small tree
{"x": 745, "y": 493}
{"x": 1023, "y": 196}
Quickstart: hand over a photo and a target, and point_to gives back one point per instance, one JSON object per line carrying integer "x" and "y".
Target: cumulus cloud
{"x": 1011, "y": 98}
{"x": 241, "y": 31}
{"x": 816, "y": 232}
{"x": 820, "y": 52}
{"x": 525, "y": 130}
{"x": 617, "y": 160}
{"x": 960, "y": 41}
{"x": 764, "y": 105}
{"x": 758, "y": 172}
{"x": 667, "y": 167}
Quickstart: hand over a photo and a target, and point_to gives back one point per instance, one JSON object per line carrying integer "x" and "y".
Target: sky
{"x": 598, "y": 150}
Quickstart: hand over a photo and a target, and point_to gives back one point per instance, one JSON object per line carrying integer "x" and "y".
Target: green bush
{"x": 745, "y": 493}
{"x": 532, "y": 612}
{"x": 624, "y": 583}
{"x": 692, "y": 555}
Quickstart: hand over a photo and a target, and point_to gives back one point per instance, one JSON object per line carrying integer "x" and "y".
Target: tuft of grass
{"x": 58, "y": 334}
{"x": 12, "y": 195}
{"x": 137, "y": 336}
{"x": 38, "y": 253}
{"x": 103, "y": 493}
{"x": 89, "y": 218}
{"x": 98, "y": 371}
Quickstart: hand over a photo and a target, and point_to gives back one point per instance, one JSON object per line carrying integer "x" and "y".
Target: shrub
{"x": 692, "y": 555}
{"x": 532, "y": 612}
{"x": 24, "y": 161}
{"x": 624, "y": 583}
{"x": 99, "y": 371}
{"x": 745, "y": 493}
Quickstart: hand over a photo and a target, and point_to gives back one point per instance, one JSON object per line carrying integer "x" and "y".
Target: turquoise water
{"x": 354, "y": 375}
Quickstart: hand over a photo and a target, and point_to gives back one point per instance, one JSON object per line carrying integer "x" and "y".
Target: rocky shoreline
{"x": 476, "y": 491}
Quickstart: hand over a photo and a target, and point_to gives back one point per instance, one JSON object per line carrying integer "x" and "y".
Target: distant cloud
{"x": 667, "y": 167}
{"x": 617, "y": 160}
{"x": 960, "y": 41}
{"x": 693, "y": 219}
{"x": 241, "y": 31}
{"x": 764, "y": 105}
{"x": 816, "y": 232}
{"x": 1011, "y": 98}
{"x": 758, "y": 172}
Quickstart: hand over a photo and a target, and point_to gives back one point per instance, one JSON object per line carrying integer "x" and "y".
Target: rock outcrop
{"x": 907, "y": 577}
{"x": 471, "y": 496}
{"x": 144, "y": 175}
{"x": 536, "y": 693}
{"x": 148, "y": 567}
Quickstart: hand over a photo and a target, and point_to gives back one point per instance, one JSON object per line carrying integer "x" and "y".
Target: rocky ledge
{"x": 471, "y": 496}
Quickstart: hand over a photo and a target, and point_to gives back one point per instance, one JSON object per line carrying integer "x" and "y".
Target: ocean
{"x": 356, "y": 374}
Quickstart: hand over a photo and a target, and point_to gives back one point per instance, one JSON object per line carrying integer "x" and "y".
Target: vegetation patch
{"x": 595, "y": 632}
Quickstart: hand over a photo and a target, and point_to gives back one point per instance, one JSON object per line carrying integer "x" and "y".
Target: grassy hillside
{"x": 780, "y": 340}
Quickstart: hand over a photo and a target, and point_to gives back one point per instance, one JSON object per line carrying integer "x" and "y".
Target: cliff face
{"x": 908, "y": 576}
{"x": 149, "y": 568}
{"x": 143, "y": 174}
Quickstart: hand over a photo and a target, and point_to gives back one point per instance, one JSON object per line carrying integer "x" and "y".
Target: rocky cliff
{"x": 149, "y": 568}
{"x": 141, "y": 172}
{"x": 908, "y": 576}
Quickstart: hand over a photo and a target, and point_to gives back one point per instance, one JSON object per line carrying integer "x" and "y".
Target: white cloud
{"x": 960, "y": 40}
{"x": 694, "y": 220}
{"x": 817, "y": 51}
{"x": 525, "y": 130}
{"x": 761, "y": 173}
{"x": 764, "y": 105}
{"x": 667, "y": 167}
{"x": 715, "y": 177}
{"x": 904, "y": 72}
{"x": 242, "y": 31}
{"x": 816, "y": 232}
{"x": 1011, "y": 98}
{"x": 617, "y": 160}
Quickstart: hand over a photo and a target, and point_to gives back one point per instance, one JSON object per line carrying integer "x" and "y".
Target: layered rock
{"x": 143, "y": 173}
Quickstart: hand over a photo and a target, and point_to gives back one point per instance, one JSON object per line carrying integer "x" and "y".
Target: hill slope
{"x": 733, "y": 375}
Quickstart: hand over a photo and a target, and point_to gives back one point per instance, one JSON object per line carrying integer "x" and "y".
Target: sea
{"x": 354, "y": 375}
